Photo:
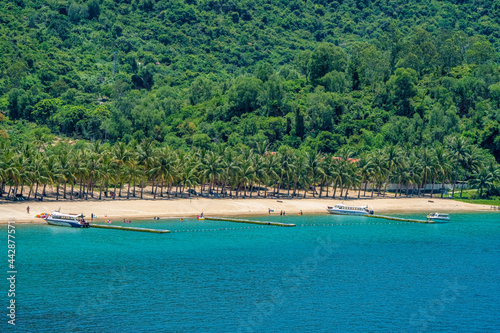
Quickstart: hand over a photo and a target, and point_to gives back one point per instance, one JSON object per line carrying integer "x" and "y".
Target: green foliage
{"x": 490, "y": 202}
{"x": 402, "y": 87}
{"x": 43, "y": 110}
{"x": 325, "y": 59}
{"x": 243, "y": 96}
{"x": 314, "y": 74}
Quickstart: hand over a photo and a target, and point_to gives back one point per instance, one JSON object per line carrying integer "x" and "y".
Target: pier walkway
{"x": 277, "y": 224}
{"x": 398, "y": 219}
{"x": 116, "y": 227}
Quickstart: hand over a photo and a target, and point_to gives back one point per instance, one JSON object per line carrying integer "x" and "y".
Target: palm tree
{"x": 121, "y": 155}
{"x": 246, "y": 176}
{"x": 260, "y": 174}
{"x": 73, "y": 171}
{"x": 410, "y": 171}
{"x": 189, "y": 175}
{"x": 53, "y": 173}
{"x": 459, "y": 149}
{"x": 163, "y": 170}
{"x": 427, "y": 170}
{"x": 379, "y": 169}
{"x": 4, "y": 150}
{"x": 286, "y": 167}
{"x": 38, "y": 171}
{"x": 471, "y": 163}
{"x": 211, "y": 169}
{"x": 271, "y": 165}
{"x": 12, "y": 170}
{"x": 351, "y": 178}
{"x": 300, "y": 173}
{"x": 82, "y": 170}
{"x": 343, "y": 165}
{"x": 392, "y": 155}
{"x": 64, "y": 153}
{"x": 94, "y": 160}
{"x": 482, "y": 179}
{"x": 365, "y": 166}
{"x": 25, "y": 159}
{"x": 442, "y": 167}
{"x": 145, "y": 160}
{"x": 229, "y": 167}
{"x": 106, "y": 172}
{"x": 316, "y": 170}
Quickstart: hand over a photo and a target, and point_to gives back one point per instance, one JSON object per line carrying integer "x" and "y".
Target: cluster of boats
{"x": 342, "y": 209}
{"x": 78, "y": 220}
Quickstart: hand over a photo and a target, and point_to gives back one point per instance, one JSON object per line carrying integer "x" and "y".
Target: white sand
{"x": 135, "y": 209}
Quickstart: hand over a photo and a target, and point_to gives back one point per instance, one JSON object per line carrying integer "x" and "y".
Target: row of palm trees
{"x": 95, "y": 170}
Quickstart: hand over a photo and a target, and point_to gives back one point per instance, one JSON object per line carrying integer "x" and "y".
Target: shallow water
{"x": 328, "y": 274}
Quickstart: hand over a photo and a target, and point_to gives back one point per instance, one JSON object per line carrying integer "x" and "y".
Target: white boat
{"x": 437, "y": 217}
{"x": 349, "y": 210}
{"x": 67, "y": 220}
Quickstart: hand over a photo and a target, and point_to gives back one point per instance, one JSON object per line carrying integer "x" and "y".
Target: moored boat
{"x": 67, "y": 220}
{"x": 349, "y": 210}
{"x": 438, "y": 217}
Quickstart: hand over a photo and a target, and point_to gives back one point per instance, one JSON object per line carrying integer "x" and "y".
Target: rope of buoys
{"x": 302, "y": 225}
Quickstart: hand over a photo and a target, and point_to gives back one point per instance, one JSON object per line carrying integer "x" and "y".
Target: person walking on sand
{"x": 28, "y": 209}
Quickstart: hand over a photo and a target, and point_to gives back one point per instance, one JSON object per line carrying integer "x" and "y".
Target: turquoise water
{"x": 328, "y": 274}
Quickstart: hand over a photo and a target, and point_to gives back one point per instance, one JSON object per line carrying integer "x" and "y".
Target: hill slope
{"x": 318, "y": 73}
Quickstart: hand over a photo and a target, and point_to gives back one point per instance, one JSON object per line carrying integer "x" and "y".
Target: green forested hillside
{"x": 314, "y": 74}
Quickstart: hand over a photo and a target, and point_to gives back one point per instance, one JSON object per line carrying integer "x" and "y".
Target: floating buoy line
{"x": 301, "y": 225}
{"x": 264, "y": 224}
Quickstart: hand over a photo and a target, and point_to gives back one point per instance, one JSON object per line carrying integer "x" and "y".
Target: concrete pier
{"x": 399, "y": 219}
{"x": 277, "y": 224}
{"x": 157, "y": 231}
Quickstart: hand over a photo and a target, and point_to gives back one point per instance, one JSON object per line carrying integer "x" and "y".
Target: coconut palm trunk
{"x": 432, "y": 188}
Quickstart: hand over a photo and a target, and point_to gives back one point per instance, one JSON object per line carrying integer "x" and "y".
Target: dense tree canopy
{"x": 313, "y": 74}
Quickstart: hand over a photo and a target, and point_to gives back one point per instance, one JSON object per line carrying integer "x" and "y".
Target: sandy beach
{"x": 163, "y": 208}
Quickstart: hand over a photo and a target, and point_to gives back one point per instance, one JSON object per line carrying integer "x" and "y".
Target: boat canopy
{"x": 57, "y": 214}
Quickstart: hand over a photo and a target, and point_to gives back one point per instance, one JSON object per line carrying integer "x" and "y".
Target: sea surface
{"x": 327, "y": 274}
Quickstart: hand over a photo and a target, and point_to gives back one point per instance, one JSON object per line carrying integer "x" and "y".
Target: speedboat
{"x": 67, "y": 220}
{"x": 349, "y": 210}
{"x": 437, "y": 217}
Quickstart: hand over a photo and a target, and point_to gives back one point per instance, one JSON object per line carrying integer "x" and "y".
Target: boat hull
{"x": 66, "y": 223}
{"x": 437, "y": 220}
{"x": 347, "y": 212}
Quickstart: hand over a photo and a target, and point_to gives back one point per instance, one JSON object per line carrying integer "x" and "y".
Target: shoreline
{"x": 137, "y": 209}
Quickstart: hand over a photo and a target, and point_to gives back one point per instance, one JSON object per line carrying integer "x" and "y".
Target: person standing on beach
{"x": 28, "y": 209}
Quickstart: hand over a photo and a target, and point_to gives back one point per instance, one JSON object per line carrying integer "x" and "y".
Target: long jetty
{"x": 398, "y": 219}
{"x": 277, "y": 224}
{"x": 116, "y": 227}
